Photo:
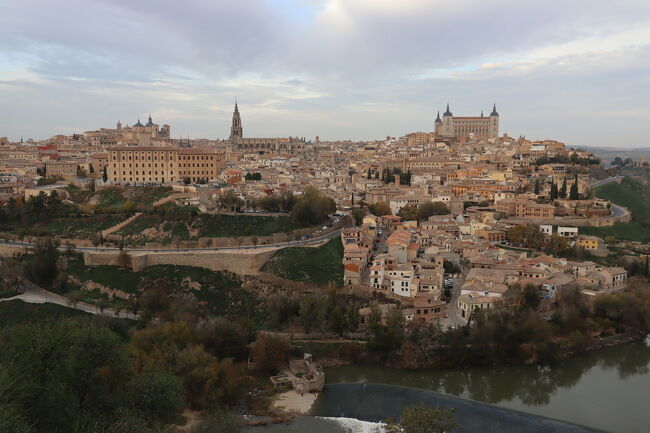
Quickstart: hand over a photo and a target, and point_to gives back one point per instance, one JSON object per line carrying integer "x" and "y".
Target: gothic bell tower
{"x": 236, "y": 131}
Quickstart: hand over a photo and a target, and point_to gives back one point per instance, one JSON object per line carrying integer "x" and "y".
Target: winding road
{"x": 34, "y": 294}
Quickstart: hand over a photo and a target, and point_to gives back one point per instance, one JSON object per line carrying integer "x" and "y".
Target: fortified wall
{"x": 243, "y": 263}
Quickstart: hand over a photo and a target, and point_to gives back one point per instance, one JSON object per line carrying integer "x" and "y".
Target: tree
{"x": 105, "y": 174}
{"x": 537, "y": 186}
{"x": 409, "y": 212}
{"x": 562, "y": 192}
{"x": 313, "y": 208}
{"x": 337, "y": 320}
{"x": 222, "y": 422}
{"x": 516, "y": 234}
{"x": 432, "y": 208}
{"x": 573, "y": 195}
{"x": 369, "y": 173}
{"x": 270, "y": 203}
{"x": 380, "y": 209}
{"x": 530, "y": 297}
{"x": 270, "y": 352}
{"x": 554, "y": 192}
{"x": 43, "y": 267}
{"x": 10, "y": 274}
{"x": 423, "y": 419}
{"x": 358, "y": 215}
{"x": 156, "y": 394}
{"x": 230, "y": 200}
{"x": 307, "y": 313}
{"x": 69, "y": 368}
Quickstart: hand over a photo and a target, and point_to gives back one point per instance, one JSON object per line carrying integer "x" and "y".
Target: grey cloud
{"x": 179, "y": 58}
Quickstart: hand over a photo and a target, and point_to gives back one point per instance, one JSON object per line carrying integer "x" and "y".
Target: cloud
{"x": 334, "y": 68}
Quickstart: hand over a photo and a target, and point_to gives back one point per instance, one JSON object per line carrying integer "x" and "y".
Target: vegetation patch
{"x": 319, "y": 265}
{"x": 628, "y": 193}
{"x": 220, "y": 294}
{"x": 634, "y": 196}
{"x": 15, "y": 312}
{"x": 119, "y": 199}
{"x": 631, "y": 231}
{"x": 81, "y": 227}
{"x": 186, "y": 223}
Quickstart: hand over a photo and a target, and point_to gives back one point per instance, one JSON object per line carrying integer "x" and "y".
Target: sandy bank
{"x": 293, "y": 402}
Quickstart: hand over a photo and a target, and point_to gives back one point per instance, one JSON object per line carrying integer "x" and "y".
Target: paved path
{"x": 453, "y": 320}
{"x": 617, "y": 211}
{"x": 34, "y": 294}
{"x": 605, "y": 181}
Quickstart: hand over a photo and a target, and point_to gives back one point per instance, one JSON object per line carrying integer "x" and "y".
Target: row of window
{"x": 171, "y": 157}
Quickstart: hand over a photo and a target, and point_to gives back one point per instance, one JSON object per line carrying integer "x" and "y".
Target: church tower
{"x": 236, "y": 131}
{"x": 448, "y": 129}
{"x": 437, "y": 124}
{"x": 493, "y": 130}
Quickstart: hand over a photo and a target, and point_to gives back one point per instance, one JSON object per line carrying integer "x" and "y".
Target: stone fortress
{"x": 463, "y": 127}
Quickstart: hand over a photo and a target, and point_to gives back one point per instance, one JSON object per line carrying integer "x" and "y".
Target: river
{"x": 607, "y": 390}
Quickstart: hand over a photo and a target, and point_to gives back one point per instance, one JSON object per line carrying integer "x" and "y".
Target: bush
{"x": 271, "y": 352}
{"x": 157, "y": 395}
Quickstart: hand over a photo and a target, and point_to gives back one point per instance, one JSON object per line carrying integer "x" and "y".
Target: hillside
{"x": 319, "y": 265}
{"x": 634, "y": 196}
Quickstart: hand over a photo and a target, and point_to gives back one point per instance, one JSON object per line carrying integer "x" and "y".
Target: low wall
{"x": 574, "y": 222}
{"x": 237, "y": 262}
{"x": 12, "y": 250}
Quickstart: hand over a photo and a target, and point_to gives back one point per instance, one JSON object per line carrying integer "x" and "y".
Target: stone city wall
{"x": 239, "y": 263}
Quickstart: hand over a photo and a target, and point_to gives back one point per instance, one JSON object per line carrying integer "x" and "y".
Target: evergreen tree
{"x": 369, "y": 173}
{"x": 573, "y": 194}
{"x": 554, "y": 192}
{"x": 537, "y": 186}
{"x": 105, "y": 175}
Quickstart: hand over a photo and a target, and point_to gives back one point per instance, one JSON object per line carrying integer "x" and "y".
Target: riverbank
{"x": 604, "y": 390}
{"x": 294, "y": 402}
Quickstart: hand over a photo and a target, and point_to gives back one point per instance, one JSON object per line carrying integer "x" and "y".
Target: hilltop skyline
{"x": 357, "y": 69}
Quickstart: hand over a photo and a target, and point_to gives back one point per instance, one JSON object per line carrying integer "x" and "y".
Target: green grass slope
{"x": 634, "y": 196}
{"x": 315, "y": 265}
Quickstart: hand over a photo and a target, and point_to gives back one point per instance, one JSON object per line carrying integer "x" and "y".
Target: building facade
{"x": 286, "y": 145}
{"x": 463, "y": 127}
{"x": 163, "y": 165}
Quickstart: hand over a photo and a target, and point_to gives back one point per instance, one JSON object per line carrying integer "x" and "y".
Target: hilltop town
{"x": 410, "y": 251}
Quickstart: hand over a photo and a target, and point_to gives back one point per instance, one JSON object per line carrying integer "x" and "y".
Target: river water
{"x": 607, "y": 390}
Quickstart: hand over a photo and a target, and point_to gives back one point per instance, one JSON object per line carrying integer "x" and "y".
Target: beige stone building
{"x": 462, "y": 127}
{"x": 64, "y": 169}
{"x": 163, "y": 165}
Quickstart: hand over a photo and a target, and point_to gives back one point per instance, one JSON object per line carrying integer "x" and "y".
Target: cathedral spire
{"x": 236, "y": 130}
{"x": 438, "y": 119}
{"x": 494, "y": 110}
{"x": 447, "y": 113}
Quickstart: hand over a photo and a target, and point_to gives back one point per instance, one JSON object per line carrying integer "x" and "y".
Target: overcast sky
{"x": 572, "y": 70}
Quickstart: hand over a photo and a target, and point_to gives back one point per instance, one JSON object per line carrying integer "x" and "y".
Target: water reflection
{"x": 533, "y": 385}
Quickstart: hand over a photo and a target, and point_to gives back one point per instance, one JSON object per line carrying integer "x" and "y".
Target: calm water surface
{"x": 607, "y": 390}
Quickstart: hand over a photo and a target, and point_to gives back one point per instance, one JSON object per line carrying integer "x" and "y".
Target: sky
{"x": 577, "y": 71}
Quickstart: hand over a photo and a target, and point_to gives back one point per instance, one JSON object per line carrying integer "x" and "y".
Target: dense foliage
{"x": 313, "y": 208}
{"x": 423, "y": 419}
